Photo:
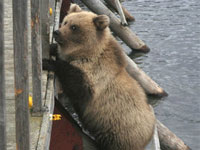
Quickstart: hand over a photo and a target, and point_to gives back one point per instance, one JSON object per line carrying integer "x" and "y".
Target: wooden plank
{"x": 57, "y": 15}
{"x": 36, "y": 57}
{"x": 45, "y": 133}
{"x": 2, "y": 83}
{"x": 52, "y": 4}
{"x": 20, "y": 38}
{"x": 45, "y": 27}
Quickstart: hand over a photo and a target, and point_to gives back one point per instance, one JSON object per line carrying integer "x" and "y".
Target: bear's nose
{"x": 56, "y": 33}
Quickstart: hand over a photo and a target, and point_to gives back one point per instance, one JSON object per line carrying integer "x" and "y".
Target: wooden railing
{"x": 20, "y": 39}
{"x": 37, "y": 42}
{"x": 2, "y": 83}
{"x": 40, "y": 37}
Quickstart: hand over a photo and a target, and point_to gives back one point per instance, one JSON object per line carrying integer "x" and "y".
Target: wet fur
{"x": 111, "y": 105}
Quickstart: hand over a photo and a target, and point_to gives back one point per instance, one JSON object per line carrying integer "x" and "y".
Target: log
{"x": 168, "y": 140}
{"x": 2, "y": 83}
{"x": 155, "y": 140}
{"x": 121, "y": 13}
{"x": 155, "y": 143}
{"x": 122, "y": 32}
{"x": 128, "y": 16}
{"x": 20, "y": 37}
{"x": 149, "y": 86}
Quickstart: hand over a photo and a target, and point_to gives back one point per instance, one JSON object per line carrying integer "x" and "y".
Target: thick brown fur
{"x": 114, "y": 108}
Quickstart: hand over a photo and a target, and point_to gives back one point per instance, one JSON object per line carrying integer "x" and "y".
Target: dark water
{"x": 171, "y": 28}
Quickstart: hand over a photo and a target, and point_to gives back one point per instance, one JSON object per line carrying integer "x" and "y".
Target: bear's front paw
{"x": 53, "y": 49}
{"x": 48, "y": 65}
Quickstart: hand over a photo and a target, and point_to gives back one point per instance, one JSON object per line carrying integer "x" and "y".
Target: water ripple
{"x": 172, "y": 30}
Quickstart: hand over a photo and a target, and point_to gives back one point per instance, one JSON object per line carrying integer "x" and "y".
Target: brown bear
{"x": 91, "y": 68}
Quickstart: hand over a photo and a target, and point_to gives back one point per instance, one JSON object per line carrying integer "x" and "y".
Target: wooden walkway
{"x": 38, "y": 131}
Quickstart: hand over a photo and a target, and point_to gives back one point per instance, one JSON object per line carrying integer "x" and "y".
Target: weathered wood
{"x": 168, "y": 140}
{"x": 52, "y": 5}
{"x": 121, "y": 13}
{"x": 122, "y": 32}
{"x": 45, "y": 28}
{"x": 57, "y": 15}
{"x": 2, "y": 83}
{"x": 155, "y": 141}
{"x": 128, "y": 16}
{"x": 36, "y": 57}
{"x": 150, "y": 86}
{"x": 45, "y": 132}
{"x": 20, "y": 38}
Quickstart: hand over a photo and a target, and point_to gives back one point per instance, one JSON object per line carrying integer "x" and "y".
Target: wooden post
{"x": 36, "y": 57}
{"x": 121, "y": 13}
{"x": 45, "y": 133}
{"x": 2, "y": 83}
{"x": 122, "y": 32}
{"x": 20, "y": 36}
{"x": 128, "y": 16}
{"x": 45, "y": 28}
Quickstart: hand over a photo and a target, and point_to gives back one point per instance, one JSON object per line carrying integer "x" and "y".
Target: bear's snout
{"x": 57, "y": 35}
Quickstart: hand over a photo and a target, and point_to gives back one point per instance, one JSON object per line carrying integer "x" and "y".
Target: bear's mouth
{"x": 58, "y": 40}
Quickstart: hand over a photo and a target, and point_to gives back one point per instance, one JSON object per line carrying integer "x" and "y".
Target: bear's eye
{"x": 65, "y": 22}
{"x": 73, "y": 27}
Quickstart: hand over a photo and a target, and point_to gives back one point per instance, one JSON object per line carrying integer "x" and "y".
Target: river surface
{"x": 171, "y": 28}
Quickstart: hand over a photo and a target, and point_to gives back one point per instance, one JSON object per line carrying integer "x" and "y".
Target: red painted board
{"x": 64, "y": 135}
{"x": 64, "y": 8}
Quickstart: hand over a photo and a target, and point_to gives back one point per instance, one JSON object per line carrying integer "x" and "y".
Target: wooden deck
{"x": 40, "y": 127}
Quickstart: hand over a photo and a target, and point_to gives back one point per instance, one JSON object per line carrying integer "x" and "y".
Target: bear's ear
{"x": 101, "y": 22}
{"x": 74, "y": 8}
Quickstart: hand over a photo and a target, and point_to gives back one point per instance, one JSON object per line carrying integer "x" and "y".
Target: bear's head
{"x": 82, "y": 33}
